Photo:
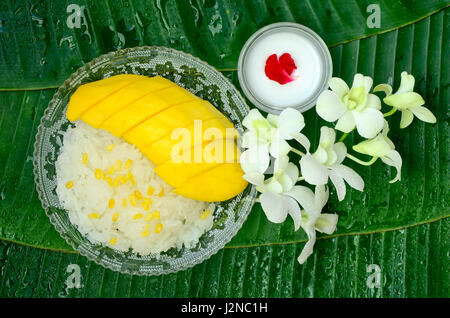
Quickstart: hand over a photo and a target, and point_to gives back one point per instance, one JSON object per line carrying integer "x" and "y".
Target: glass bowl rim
{"x": 250, "y": 197}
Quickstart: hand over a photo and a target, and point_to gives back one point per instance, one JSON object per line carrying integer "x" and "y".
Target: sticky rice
{"x": 114, "y": 197}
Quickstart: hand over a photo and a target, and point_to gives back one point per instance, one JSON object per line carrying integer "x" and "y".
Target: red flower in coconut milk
{"x": 280, "y": 69}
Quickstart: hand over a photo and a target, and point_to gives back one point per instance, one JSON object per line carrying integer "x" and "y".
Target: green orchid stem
{"x": 298, "y": 152}
{"x": 364, "y": 163}
{"x": 300, "y": 179}
{"x": 389, "y": 113}
{"x": 343, "y": 137}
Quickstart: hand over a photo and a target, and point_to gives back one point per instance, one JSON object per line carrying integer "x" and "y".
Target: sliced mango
{"x": 90, "y": 94}
{"x": 146, "y": 112}
{"x": 114, "y": 103}
{"x": 177, "y": 116}
{"x": 224, "y": 181}
{"x": 138, "y": 111}
{"x": 211, "y": 129}
{"x": 197, "y": 160}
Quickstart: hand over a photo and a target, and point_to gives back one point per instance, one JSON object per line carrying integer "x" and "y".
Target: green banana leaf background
{"x": 402, "y": 229}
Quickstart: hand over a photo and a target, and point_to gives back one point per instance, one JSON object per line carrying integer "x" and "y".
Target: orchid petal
{"x": 373, "y": 102}
{"x": 289, "y": 175}
{"x": 255, "y": 159}
{"x": 341, "y": 150}
{"x": 292, "y": 171}
{"x": 254, "y": 178}
{"x": 376, "y": 147}
{"x": 304, "y": 196}
{"x": 273, "y": 185}
{"x": 386, "y": 88}
{"x": 250, "y": 140}
{"x": 270, "y": 203}
{"x": 358, "y": 80}
{"x": 368, "y": 82}
{"x": 385, "y": 135}
{"x": 332, "y": 156}
{"x": 279, "y": 147}
{"x": 313, "y": 171}
{"x": 369, "y": 122}
{"x": 326, "y": 223}
{"x": 361, "y": 80}
{"x": 290, "y": 121}
{"x": 321, "y": 197}
{"x": 321, "y": 155}
{"x": 404, "y": 100}
{"x": 424, "y": 114}
{"x": 394, "y": 159}
{"x": 327, "y": 136}
{"x": 309, "y": 246}
{"x": 329, "y": 106}
{"x": 407, "y": 82}
{"x": 350, "y": 176}
{"x": 346, "y": 123}
{"x": 407, "y": 118}
{"x": 294, "y": 211}
{"x": 303, "y": 140}
{"x": 253, "y": 115}
{"x": 338, "y": 86}
{"x": 273, "y": 119}
{"x": 339, "y": 184}
{"x": 280, "y": 164}
{"x": 286, "y": 182}
{"x": 385, "y": 130}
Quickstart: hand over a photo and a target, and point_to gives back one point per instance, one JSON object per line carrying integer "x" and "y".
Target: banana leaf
{"x": 401, "y": 227}
{"x": 43, "y": 42}
{"x": 412, "y": 262}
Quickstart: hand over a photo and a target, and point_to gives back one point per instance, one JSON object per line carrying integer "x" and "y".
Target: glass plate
{"x": 187, "y": 71}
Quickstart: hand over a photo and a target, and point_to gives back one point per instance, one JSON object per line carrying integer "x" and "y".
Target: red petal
{"x": 287, "y": 63}
{"x": 275, "y": 71}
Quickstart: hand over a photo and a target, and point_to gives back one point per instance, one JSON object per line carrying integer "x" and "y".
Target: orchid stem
{"x": 389, "y": 113}
{"x": 364, "y": 163}
{"x": 343, "y": 137}
{"x": 298, "y": 152}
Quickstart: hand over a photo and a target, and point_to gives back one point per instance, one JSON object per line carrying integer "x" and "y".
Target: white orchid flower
{"x": 289, "y": 124}
{"x": 272, "y": 132}
{"x": 312, "y": 217}
{"x": 254, "y": 162}
{"x": 275, "y": 198}
{"x": 354, "y": 107}
{"x": 326, "y": 163}
{"x": 407, "y": 101}
{"x": 382, "y": 147}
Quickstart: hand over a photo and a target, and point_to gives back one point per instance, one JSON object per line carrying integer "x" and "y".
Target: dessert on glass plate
{"x": 137, "y": 161}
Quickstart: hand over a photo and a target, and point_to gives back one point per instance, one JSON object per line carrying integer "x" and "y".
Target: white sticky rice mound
{"x": 180, "y": 216}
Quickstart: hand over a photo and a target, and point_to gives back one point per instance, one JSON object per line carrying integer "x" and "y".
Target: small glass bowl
{"x": 185, "y": 70}
{"x": 319, "y": 45}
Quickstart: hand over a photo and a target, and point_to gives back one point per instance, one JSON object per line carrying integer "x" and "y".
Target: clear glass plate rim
{"x": 249, "y": 199}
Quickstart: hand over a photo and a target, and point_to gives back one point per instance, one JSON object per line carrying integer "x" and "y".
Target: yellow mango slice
{"x": 138, "y": 111}
{"x": 90, "y": 94}
{"x": 218, "y": 184}
{"x": 211, "y": 129}
{"x": 197, "y": 160}
{"x": 146, "y": 112}
{"x": 112, "y": 104}
{"x": 178, "y": 116}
